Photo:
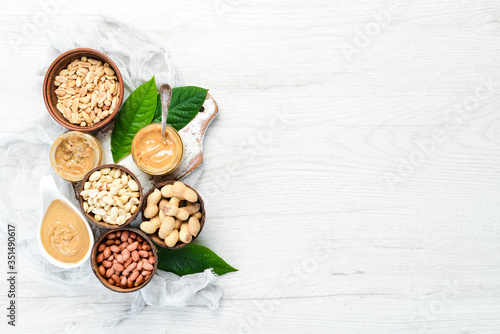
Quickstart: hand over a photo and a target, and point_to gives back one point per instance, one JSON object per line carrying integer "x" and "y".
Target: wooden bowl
{"x": 102, "y": 223}
{"x": 156, "y": 239}
{"x": 103, "y": 280}
{"x": 49, "y": 95}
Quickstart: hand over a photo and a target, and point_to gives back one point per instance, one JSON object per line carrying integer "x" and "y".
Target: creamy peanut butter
{"x": 64, "y": 234}
{"x": 154, "y": 153}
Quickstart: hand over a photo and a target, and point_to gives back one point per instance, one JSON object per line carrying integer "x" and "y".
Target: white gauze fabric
{"x": 25, "y": 159}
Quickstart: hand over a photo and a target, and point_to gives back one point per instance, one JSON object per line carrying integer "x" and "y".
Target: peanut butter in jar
{"x": 74, "y": 153}
{"x": 155, "y": 154}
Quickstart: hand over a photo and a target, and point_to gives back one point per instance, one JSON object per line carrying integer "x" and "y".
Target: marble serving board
{"x": 192, "y": 138}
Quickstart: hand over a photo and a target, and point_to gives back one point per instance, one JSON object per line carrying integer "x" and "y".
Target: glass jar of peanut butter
{"x": 74, "y": 153}
{"x": 154, "y": 154}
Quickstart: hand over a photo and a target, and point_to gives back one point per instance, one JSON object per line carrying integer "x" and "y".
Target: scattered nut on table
{"x": 110, "y": 195}
{"x": 87, "y": 91}
{"x": 175, "y": 212}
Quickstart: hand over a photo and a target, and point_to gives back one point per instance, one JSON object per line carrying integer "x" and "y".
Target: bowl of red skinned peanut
{"x": 124, "y": 260}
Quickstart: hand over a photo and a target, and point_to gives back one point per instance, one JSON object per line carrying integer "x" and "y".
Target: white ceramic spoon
{"x": 49, "y": 193}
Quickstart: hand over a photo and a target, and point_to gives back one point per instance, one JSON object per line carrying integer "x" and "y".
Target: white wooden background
{"x": 353, "y": 179}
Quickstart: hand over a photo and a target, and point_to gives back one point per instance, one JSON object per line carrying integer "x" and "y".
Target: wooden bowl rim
{"x": 93, "y": 261}
{"x": 154, "y": 237}
{"x": 50, "y": 75}
{"x": 101, "y": 223}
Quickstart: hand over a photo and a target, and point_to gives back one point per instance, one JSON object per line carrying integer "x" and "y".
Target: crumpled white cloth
{"x": 138, "y": 56}
{"x": 25, "y": 159}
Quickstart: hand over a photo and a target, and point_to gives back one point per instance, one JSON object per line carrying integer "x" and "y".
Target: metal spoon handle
{"x": 165, "y": 97}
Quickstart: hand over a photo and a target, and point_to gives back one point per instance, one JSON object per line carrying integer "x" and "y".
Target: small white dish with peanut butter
{"x": 64, "y": 236}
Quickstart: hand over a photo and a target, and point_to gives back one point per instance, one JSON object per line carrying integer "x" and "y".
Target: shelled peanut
{"x": 110, "y": 195}
{"x": 87, "y": 91}
{"x": 125, "y": 259}
{"x": 173, "y": 211}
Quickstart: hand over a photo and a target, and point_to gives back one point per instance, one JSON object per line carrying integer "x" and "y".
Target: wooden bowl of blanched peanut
{"x": 173, "y": 214}
{"x": 110, "y": 196}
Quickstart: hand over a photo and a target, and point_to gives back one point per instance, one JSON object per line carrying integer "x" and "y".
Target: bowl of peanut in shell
{"x": 173, "y": 214}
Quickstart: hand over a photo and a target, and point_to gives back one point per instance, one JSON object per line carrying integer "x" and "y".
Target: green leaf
{"x": 190, "y": 260}
{"x": 135, "y": 113}
{"x": 185, "y": 104}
